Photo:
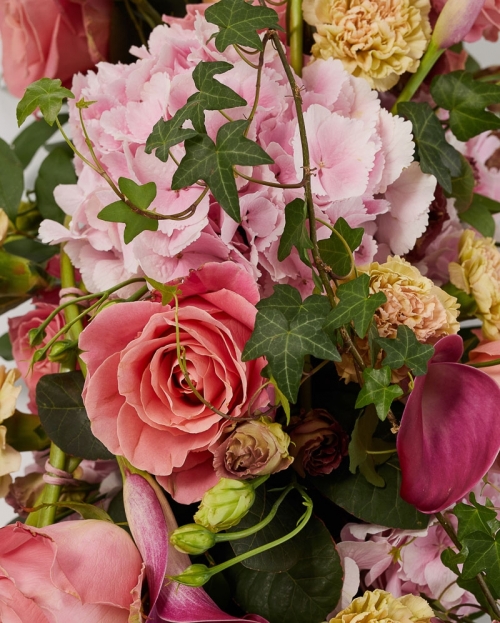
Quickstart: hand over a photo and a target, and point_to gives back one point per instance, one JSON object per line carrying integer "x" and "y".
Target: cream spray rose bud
{"x": 318, "y": 443}
{"x": 255, "y": 448}
{"x": 192, "y": 539}
{"x": 225, "y": 505}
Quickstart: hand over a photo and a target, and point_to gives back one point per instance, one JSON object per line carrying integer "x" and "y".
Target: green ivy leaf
{"x": 36, "y": 134}
{"x": 484, "y": 555}
{"x": 57, "y": 168}
{"x": 135, "y": 223}
{"x": 46, "y": 94}
{"x": 11, "y": 180}
{"x": 63, "y": 416}
{"x": 298, "y": 581}
{"x": 462, "y": 187}
{"x": 406, "y": 350}
{"x": 356, "y": 305}
{"x": 141, "y": 195}
{"x": 286, "y": 335}
{"x": 379, "y": 505}
{"x": 475, "y": 517}
{"x": 436, "y": 155}
{"x": 295, "y": 233}
{"x": 167, "y": 292}
{"x": 466, "y": 99}
{"x": 479, "y": 216}
{"x": 86, "y": 511}
{"x": 378, "y": 390}
{"x": 238, "y": 22}
{"x": 337, "y": 250}
{"x": 213, "y": 163}
{"x": 166, "y": 134}
{"x": 452, "y": 559}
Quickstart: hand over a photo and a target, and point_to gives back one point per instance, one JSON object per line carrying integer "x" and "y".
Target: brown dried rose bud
{"x": 255, "y": 448}
{"x": 318, "y": 443}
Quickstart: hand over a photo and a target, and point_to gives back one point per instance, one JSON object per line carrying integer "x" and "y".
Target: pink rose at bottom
{"x": 137, "y": 398}
{"x": 75, "y": 571}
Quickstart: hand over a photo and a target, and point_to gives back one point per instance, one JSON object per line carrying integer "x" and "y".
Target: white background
{"x": 485, "y": 52}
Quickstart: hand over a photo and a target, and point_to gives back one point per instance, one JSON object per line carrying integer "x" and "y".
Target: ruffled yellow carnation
{"x": 375, "y": 39}
{"x": 412, "y": 300}
{"x": 382, "y": 607}
{"x": 10, "y": 459}
{"x": 478, "y": 273}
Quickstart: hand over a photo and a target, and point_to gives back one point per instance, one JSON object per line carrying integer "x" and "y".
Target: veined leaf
{"x": 46, "y": 94}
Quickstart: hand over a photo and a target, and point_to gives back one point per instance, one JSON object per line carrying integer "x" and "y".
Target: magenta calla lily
{"x": 455, "y": 20}
{"x": 450, "y": 430}
{"x": 151, "y": 520}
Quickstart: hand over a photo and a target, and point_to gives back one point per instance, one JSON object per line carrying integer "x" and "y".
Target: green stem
{"x": 243, "y": 57}
{"x": 295, "y": 34}
{"x": 266, "y": 183}
{"x": 428, "y": 61}
{"x": 73, "y": 148}
{"x": 257, "y": 83}
{"x": 484, "y": 364}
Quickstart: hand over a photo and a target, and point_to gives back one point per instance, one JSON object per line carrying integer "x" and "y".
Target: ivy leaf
{"x": 337, "y": 250}
{"x": 238, "y": 22}
{"x": 213, "y": 163}
{"x": 436, "y": 155}
{"x": 141, "y": 196}
{"x": 475, "y": 517}
{"x": 479, "y": 216}
{"x": 135, "y": 223}
{"x": 46, "y": 94}
{"x": 466, "y": 99}
{"x": 462, "y": 187}
{"x": 167, "y": 292}
{"x": 295, "y": 232}
{"x": 406, "y": 350}
{"x": 378, "y": 390}
{"x": 452, "y": 559}
{"x": 286, "y": 334}
{"x": 11, "y": 180}
{"x": 356, "y": 305}
{"x": 165, "y": 135}
{"x": 484, "y": 555}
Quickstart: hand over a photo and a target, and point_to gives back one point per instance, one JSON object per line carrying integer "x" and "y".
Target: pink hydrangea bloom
{"x": 361, "y": 154}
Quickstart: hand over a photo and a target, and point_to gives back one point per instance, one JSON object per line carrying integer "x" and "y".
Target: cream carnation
{"x": 10, "y": 459}
{"x": 375, "y": 39}
{"x": 477, "y": 273}
{"x": 381, "y": 606}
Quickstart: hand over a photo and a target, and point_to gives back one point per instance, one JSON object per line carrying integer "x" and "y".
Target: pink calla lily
{"x": 151, "y": 520}
{"x": 450, "y": 430}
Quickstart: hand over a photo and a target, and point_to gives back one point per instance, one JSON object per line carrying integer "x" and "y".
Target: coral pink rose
{"x": 85, "y": 571}
{"x": 53, "y": 38}
{"x": 19, "y": 328}
{"x": 136, "y": 396}
{"x": 487, "y": 350}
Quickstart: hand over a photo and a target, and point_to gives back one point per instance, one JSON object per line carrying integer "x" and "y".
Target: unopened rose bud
{"x": 195, "y": 575}
{"x": 62, "y": 351}
{"x": 36, "y": 336}
{"x": 254, "y": 448}
{"x": 225, "y": 505}
{"x": 19, "y": 276}
{"x": 318, "y": 443}
{"x": 455, "y": 21}
{"x": 192, "y": 539}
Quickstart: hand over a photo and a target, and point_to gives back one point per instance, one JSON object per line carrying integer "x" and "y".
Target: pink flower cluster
{"x": 362, "y": 158}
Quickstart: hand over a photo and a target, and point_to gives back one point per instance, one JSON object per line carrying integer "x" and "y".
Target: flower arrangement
{"x": 253, "y": 394}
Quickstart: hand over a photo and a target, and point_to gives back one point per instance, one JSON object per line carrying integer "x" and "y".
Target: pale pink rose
{"x": 137, "y": 398}
{"x": 19, "y": 328}
{"x": 53, "y": 39}
{"x": 81, "y": 571}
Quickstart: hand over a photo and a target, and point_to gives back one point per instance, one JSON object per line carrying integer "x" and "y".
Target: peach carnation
{"x": 412, "y": 300}
{"x": 477, "y": 273}
{"x": 381, "y": 606}
{"x": 375, "y": 39}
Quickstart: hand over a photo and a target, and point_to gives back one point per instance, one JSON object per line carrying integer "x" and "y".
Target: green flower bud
{"x": 19, "y": 276}
{"x": 61, "y": 350}
{"x": 192, "y": 539}
{"x": 36, "y": 337}
{"x": 195, "y": 575}
{"x": 225, "y": 505}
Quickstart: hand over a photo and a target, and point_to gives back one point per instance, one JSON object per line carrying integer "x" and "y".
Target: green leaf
{"x": 363, "y": 444}
{"x": 466, "y": 99}
{"x": 31, "y": 249}
{"x": 135, "y": 223}
{"x": 25, "y": 433}
{"x": 377, "y": 390}
{"x": 167, "y": 292}
{"x": 479, "y": 216}
{"x": 492, "y": 205}
{"x": 378, "y": 505}
{"x": 46, "y": 94}
{"x": 356, "y": 305}
{"x": 63, "y": 416}
{"x": 86, "y": 511}
{"x": 238, "y": 22}
{"x": 286, "y": 334}
{"x": 337, "y": 250}
{"x": 141, "y": 196}
{"x": 295, "y": 233}
{"x": 213, "y": 163}
{"x": 475, "y": 517}
{"x": 462, "y": 187}
{"x": 452, "y": 559}
{"x": 11, "y": 180}
{"x": 436, "y": 155}
{"x": 299, "y": 581}
{"x": 484, "y": 555}
{"x": 6, "y": 347}
{"x": 406, "y": 350}
{"x": 57, "y": 168}
{"x": 468, "y": 305}
{"x": 165, "y": 135}
{"x": 36, "y": 134}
